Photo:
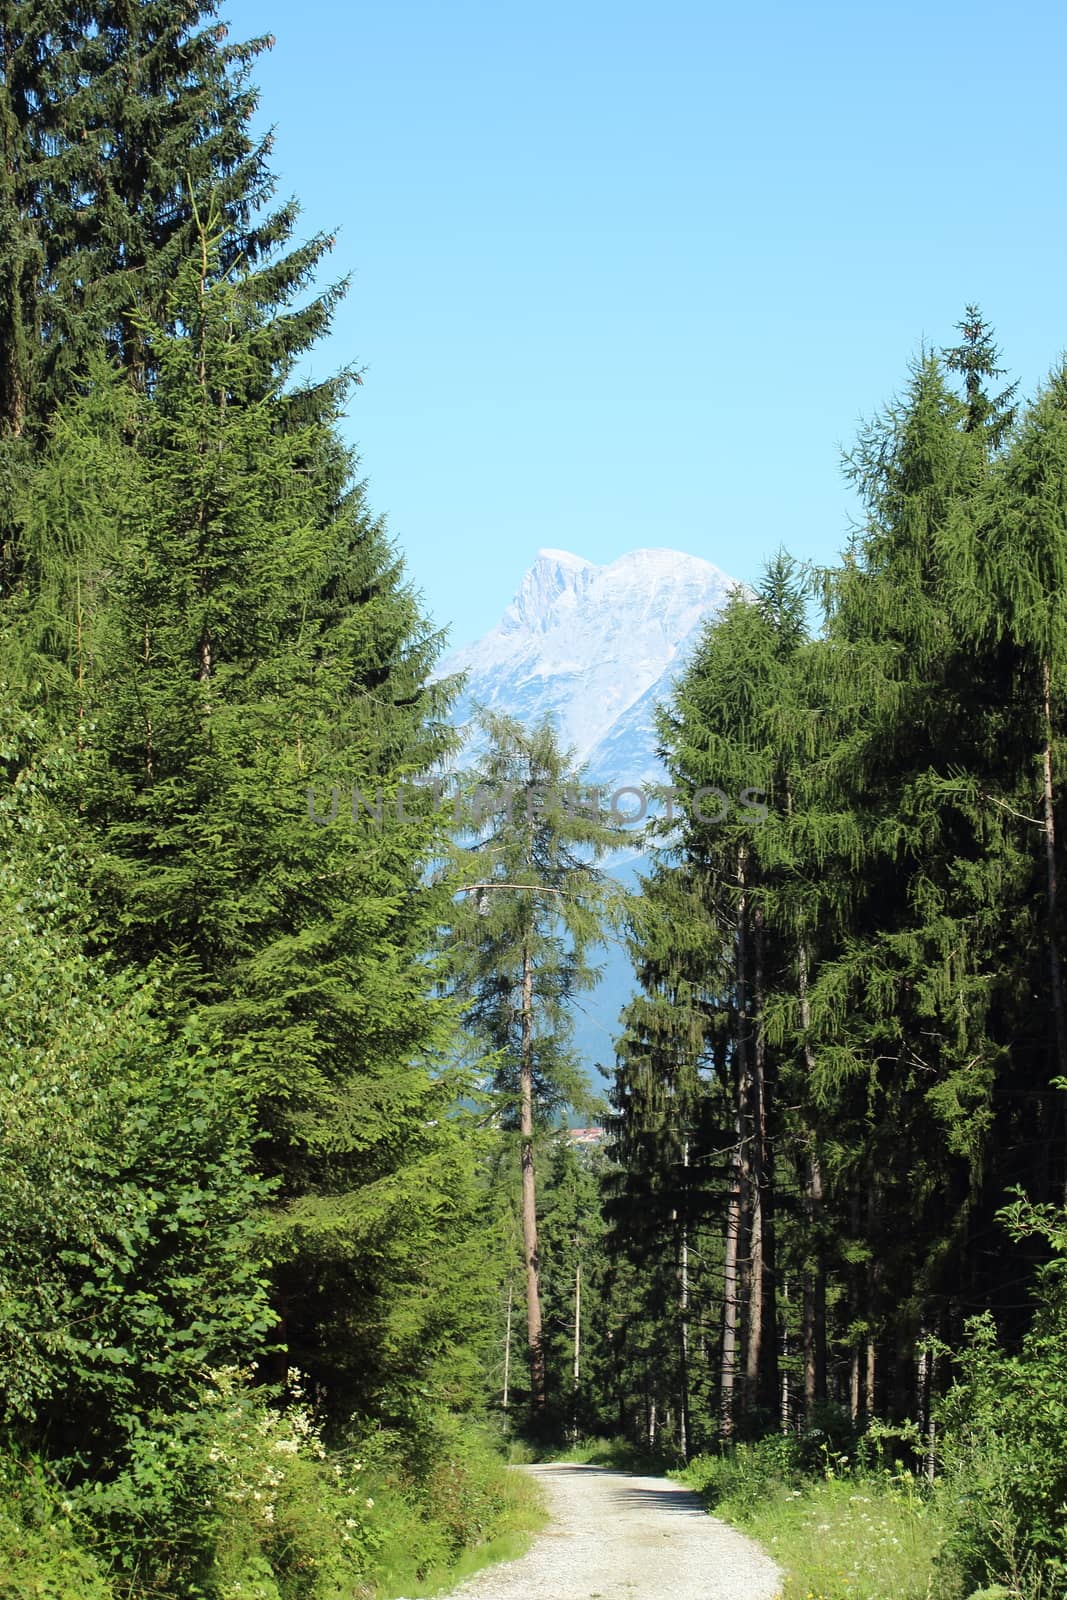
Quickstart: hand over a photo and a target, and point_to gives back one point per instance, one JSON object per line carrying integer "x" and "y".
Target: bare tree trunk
{"x": 728, "y": 1364}
{"x": 507, "y": 1347}
{"x": 576, "y": 1373}
{"x": 814, "y": 1298}
{"x": 683, "y": 1311}
{"x": 534, "y": 1336}
{"x": 856, "y": 1284}
{"x": 931, "y": 1419}
{"x": 738, "y": 1176}
{"x": 815, "y": 1276}
{"x": 1055, "y": 973}
{"x": 784, "y": 1414}
{"x": 761, "y": 1365}
{"x": 750, "y": 1095}
{"x": 873, "y": 1310}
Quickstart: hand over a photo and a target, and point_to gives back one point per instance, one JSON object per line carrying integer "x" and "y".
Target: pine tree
{"x": 902, "y": 1031}
{"x": 696, "y": 1087}
{"x": 532, "y": 904}
{"x": 254, "y": 646}
{"x": 133, "y": 1220}
{"x": 1008, "y": 602}
{"x": 121, "y": 125}
{"x": 574, "y": 1264}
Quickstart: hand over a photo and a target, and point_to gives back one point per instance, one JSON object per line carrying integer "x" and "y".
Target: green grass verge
{"x": 520, "y": 1514}
{"x": 861, "y": 1536}
{"x": 614, "y": 1453}
{"x": 861, "y": 1539}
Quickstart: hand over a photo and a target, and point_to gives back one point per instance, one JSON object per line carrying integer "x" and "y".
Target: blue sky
{"x": 631, "y": 275}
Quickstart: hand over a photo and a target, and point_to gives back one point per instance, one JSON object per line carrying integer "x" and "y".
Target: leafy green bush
{"x": 237, "y": 1498}
{"x": 437, "y": 1503}
{"x": 744, "y": 1474}
{"x": 43, "y": 1553}
{"x": 1004, "y": 1424}
{"x": 128, "y": 1245}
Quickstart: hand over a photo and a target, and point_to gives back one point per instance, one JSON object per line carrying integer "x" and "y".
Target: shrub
{"x": 235, "y": 1498}
{"x": 43, "y": 1552}
{"x": 745, "y": 1474}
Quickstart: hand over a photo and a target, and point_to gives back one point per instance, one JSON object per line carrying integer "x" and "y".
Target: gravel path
{"x": 618, "y": 1537}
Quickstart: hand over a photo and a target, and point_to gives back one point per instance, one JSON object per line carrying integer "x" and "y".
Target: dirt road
{"x": 617, "y": 1537}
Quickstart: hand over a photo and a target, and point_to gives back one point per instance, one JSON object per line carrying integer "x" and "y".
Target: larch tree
{"x": 532, "y": 904}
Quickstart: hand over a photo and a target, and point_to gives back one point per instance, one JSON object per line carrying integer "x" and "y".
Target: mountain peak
{"x": 594, "y": 648}
{"x": 554, "y": 575}
{"x": 562, "y": 558}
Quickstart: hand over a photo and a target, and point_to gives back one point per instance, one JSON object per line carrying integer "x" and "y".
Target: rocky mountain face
{"x": 596, "y": 649}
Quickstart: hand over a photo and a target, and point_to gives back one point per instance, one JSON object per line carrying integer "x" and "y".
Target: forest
{"x": 295, "y": 1250}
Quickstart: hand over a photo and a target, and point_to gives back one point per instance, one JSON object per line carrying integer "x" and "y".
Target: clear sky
{"x": 630, "y": 275}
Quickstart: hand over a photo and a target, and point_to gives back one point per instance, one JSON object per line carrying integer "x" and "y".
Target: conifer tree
{"x": 533, "y": 902}
{"x": 256, "y": 643}
{"x": 120, "y": 123}
{"x": 1008, "y": 602}
{"x": 574, "y": 1264}
{"x": 696, "y": 1083}
{"x": 672, "y": 1147}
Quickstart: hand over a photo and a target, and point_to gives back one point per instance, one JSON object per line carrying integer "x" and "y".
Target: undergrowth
{"x": 846, "y": 1532}
{"x": 246, "y": 1502}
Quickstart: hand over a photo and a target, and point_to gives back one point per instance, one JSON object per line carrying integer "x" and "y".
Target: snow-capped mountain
{"x": 595, "y": 648}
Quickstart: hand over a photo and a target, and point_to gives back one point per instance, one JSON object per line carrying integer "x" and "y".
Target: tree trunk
{"x": 931, "y": 1418}
{"x": 683, "y": 1314}
{"x": 576, "y": 1373}
{"x": 728, "y": 1364}
{"x": 815, "y": 1275}
{"x": 534, "y": 1337}
{"x": 507, "y": 1347}
{"x": 814, "y": 1297}
{"x": 1055, "y": 973}
{"x": 738, "y": 1181}
{"x": 761, "y": 1357}
{"x": 784, "y": 1415}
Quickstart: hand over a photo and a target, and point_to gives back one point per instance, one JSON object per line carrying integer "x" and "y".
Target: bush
{"x": 439, "y": 1502}
{"x": 1004, "y": 1425}
{"x": 745, "y": 1474}
{"x": 43, "y": 1553}
{"x": 235, "y": 1498}
{"x": 129, "y": 1257}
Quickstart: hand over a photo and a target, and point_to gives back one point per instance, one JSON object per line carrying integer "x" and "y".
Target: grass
{"x": 850, "y": 1535}
{"x": 854, "y": 1539}
{"x": 523, "y": 1515}
{"x": 614, "y": 1453}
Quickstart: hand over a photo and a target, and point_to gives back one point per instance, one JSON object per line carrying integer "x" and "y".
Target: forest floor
{"x": 615, "y": 1536}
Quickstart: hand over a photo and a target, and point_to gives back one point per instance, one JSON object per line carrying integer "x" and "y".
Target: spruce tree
{"x": 254, "y": 651}
{"x": 122, "y": 125}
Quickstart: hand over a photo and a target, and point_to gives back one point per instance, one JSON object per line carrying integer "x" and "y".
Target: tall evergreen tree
{"x": 121, "y": 125}
{"x": 532, "y": 905}
{"x": 256, "y": 641}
